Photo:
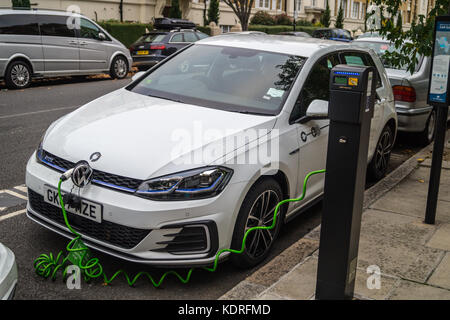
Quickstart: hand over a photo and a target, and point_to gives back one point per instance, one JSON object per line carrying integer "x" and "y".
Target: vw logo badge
{"x": 95, "y": 156}
{"x": 82, "y": 174}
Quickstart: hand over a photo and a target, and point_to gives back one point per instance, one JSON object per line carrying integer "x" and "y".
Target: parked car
{"x": 155, "y": 198}
{"x": 157, "y": 45}
{"x": 8, "y": 273}
{"x": 243, "y": 32}
{"x": 410, "y": 91}
{"x": 296, "y": 34}
{"x": 333, "y": 34}
{"x": 42, "y": 43}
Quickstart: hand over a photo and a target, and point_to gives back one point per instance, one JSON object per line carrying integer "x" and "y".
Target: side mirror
{"x": 137, "y": 75}
{"x": 101, "y": 36}
{"x": 317, "y": 109}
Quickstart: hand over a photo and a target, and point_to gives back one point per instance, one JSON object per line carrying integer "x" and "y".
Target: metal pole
{"x": 436, "y": 164}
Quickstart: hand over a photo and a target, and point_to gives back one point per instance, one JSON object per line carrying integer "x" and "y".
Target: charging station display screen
{"x": 441, "y": 63}
{"x": 340, "y": 80}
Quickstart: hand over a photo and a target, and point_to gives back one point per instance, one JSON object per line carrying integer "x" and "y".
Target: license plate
{"x": 142, "y": 52}
{"x": 89, "y": 209}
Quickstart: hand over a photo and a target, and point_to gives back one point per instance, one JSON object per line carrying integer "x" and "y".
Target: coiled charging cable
{"x": 47, "y": 266}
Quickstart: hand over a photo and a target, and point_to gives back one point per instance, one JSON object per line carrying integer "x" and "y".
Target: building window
{"x": 355, "y": 10}
{"x": 263, "y": 4}
{"x": 225, "y": 28}
{"x": 298, "y": 5}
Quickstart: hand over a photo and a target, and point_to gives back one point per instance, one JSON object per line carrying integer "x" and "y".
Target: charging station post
{"x": 438, "y": 97}
{"x": 351, "y": 107}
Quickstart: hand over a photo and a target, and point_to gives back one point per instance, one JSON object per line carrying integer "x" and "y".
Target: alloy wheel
{"x": 383, "y": 151}
{"x": 261, "y": 215}
{"x": 20, "y": 75}
{"x": 120, "y": 68}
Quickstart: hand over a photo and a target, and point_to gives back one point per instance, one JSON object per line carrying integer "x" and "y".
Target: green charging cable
{"x": 48, "y": 265}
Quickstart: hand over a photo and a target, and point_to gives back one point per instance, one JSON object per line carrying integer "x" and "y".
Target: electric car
{"x": 200, "y": 148}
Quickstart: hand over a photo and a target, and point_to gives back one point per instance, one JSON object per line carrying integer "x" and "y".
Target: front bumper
{"x": 412, "y": 119}
{"x": 160, "y": 221}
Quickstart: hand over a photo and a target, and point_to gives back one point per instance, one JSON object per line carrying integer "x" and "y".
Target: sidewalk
{"x": 414, "y": 258}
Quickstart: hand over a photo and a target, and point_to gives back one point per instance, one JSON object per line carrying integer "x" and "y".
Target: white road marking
{"x": 12, "y": 214}
{"x": 22, "y": 188}
{"x": 35, "y": 112}
{"x": 15, "y": 194}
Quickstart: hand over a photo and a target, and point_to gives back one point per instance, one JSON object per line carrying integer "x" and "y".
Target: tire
{"x": 258, "y": 242}
{"x": 119, "y": 68}
{"x": 18, "y": 75}
{"x": 377, "y": 168}
{"x": 427, "y": 135}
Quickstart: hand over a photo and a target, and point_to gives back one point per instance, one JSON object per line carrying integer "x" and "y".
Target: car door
{"x": 59, "y": 44}
{"x": 358, "y": 58}
{"x": 312, "y": 134}
{"x": 93, "y": 50}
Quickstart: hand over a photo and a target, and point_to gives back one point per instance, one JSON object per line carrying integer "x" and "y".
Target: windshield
{"x": 380, "y": 48}
{"x": 154, "y": 37}
{"x": 233, "y": 79}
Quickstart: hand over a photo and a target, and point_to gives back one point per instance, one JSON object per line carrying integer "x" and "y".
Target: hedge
{"x": 280, "y": 28}
{"x": 127, "y": 33}
{"x": 205, "y": 29}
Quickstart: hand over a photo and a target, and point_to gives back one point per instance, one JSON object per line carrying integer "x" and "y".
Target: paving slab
{"x": 243, "y": 291}
{"x": 441, "y": 238}
{"x": 387, "y": 284}
{"x": 299, "y": 284}
{"x": 441, "y": 276}
{"x": 408, "y": 290}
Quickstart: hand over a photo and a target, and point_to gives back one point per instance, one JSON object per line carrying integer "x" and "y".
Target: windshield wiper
{"x": 165, "y": 98}
{"x": 254, "y": 113}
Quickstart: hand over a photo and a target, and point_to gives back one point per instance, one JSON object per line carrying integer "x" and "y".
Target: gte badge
{"x": 352, "y": 81}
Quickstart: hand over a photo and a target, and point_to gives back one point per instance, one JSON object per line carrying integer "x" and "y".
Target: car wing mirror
{"x": 137, "y": 75}
{"x": 101, "y": 36}
{"x": 317, "y": 109}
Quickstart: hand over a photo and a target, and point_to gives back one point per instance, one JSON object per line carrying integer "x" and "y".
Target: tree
{"x": 412, "y": 43}
{"x": 325, "y": 18}
{"x": 21, "y": 3}
{"x": 242, "y": 9}
{"x": 340, "y": 18}
{"x": 213, "y": 12}
{"x": 175, "y": 11}
{"x": 399, "y": 21}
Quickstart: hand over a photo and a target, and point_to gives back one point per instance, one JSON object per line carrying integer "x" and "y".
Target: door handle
{"x": 73, "y": 42}
{"x": 83, "y": 43}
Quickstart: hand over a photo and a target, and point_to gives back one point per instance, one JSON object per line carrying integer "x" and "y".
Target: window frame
{"x": 176, "y": 34}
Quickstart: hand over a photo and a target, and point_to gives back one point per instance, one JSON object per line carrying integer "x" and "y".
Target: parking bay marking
{"x": 35, "y": 112}
{"x": 12, "y": 214}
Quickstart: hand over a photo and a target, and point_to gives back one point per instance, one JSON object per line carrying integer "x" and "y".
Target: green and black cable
{"x": 47, "y": 266}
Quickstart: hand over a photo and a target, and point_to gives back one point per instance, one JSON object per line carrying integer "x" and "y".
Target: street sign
{"x": 439, "y": 85}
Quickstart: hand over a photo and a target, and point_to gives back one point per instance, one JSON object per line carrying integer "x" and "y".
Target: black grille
{"x": 189, "y": 239}
{"x": 114, "y": 180}
{"x": 115, "y": 234}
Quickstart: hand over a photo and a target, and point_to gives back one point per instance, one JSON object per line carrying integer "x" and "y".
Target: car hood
{"x": 142, "y": 137}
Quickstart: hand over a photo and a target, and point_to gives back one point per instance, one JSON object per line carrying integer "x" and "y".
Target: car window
{"x": 189, "y": 37}
{"x": 202, "y": 35}
{"x": 56, "y": 26}
{"x": 19, "y": 24}
{"x": 226, "y": 78}
{"x": 315, "y": 87}
{"x": 153, "y": 37}
{"x": 177, "y": 38}
{"x": 89, "y": 30}
{"x": 361, "y": 59}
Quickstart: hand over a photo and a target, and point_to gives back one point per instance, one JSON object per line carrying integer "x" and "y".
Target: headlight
{"x": 40, "y": 150}
{"x": 187, "y": 185}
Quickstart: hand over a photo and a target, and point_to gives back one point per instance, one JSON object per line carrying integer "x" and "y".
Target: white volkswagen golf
{"x": 201, "y": 148}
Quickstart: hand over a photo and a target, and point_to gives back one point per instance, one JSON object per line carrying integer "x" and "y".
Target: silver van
{"x": 44, "y": 43}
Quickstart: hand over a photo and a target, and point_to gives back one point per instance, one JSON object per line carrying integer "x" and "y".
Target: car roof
{"x": 300, "y": 46}
{"x": 372, "y": 39}
{"x": 38, "y": 11}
